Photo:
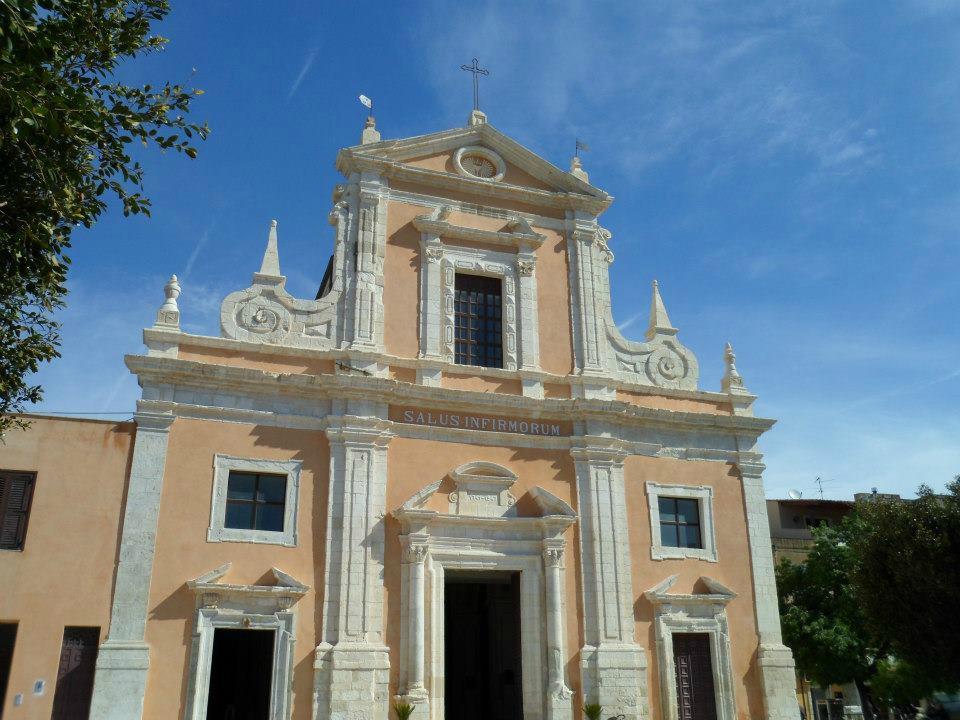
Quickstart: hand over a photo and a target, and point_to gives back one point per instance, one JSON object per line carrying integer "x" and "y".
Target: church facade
{"x": 447, "y": 480}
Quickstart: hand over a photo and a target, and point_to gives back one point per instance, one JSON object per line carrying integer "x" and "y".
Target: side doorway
{"x": 78, "y": 660}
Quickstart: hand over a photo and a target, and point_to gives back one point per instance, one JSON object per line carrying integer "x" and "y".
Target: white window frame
{"x": 222, "y": 466}
{"x": 703, "y": 494}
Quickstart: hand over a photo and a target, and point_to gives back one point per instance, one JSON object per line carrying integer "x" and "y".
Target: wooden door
{"x": 696, "y": 699}
{"x": 78, "y": 659}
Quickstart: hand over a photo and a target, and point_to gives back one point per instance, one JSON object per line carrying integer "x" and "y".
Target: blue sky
{"x": 789, "y": 171}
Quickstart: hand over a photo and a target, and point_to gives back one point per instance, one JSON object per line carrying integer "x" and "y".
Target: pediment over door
{"x": 482, "y": 493}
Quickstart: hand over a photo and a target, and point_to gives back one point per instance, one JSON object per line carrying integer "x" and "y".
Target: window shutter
{"x": 16, "y": 490}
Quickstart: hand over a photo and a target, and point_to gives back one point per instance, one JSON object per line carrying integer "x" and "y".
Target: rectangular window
{"x": 255, "y": 501}
{"x": 478, "y": 324}
{"x": 16, "y": 492}
{"x": 679, "y": 522}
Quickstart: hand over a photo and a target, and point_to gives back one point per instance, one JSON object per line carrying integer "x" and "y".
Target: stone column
{"x": 123, "y": 661}
{"x": 774, "y": 659}
{"x": 559, "y": 706}
{"x": 613, "y": 665}
{"x": 415, "y": 555}
{"x": 352, "y": 663}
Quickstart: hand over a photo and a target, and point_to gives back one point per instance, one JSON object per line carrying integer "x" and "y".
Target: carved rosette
{"x": 665, "y": 366}
{"x": 263, "y": 317}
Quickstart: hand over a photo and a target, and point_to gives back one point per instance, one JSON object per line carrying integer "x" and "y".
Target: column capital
{"x": 415, "y": 547}
{"x": 153, "y": 421}
{"x": 355, "y": 430}
{"x": 596, "y": 449}
{"x": 750, "y": 465}
{"x": 553, "y": 555}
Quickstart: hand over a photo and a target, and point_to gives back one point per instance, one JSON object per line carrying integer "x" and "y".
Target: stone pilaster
{"x": 352, "y": 663}
{"x": 529, "y": 312}
{"x": 613, "y": 665}
{"x": 774, "y": 659}
{"x": 586, "y": 295}
{"x": 559, "y": 696}
{"x": 366, "y": 296}
{"x": 435, "y": 295}
{"x": 124, "y": 659}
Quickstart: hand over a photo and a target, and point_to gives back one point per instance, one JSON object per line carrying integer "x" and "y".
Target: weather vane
{"x": 477, "y": 72}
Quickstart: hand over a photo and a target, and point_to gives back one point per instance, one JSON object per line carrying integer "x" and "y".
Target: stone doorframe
{"x": 435, "y": 543}
{"x": 243, "y": 607}
{"x": 694, "y": 613}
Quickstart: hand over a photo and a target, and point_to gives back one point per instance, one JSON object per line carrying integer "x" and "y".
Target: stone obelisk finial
{"x": 269, "y": 272}
{"x": 659, "y": 320}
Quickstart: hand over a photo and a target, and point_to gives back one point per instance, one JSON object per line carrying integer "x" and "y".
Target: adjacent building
{"x": 448, "y": 479}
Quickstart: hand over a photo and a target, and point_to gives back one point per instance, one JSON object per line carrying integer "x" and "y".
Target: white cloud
{"x": 651, "y": 81}
{"x": 305, "y": 68}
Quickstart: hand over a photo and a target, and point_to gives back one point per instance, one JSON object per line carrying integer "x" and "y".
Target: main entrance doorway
{"x": 240, "y": 675}
{"x": 695, "y": 693}
{"x": 482, "y": 646}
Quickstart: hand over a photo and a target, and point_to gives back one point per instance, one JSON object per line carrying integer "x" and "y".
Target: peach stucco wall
{"x": 65, "y": 573}
{"x": 732, "y": 569}
{"x": 183, "y": 553}
{"x": 401, "y": 297}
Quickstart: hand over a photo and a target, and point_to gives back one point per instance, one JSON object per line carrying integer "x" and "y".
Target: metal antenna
{"x": 477, "y": 72}
{"x": 819, "y": 483}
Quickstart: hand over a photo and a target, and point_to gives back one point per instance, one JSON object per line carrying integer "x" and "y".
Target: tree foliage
{"x": 876, "y": 599}
{"x": 822, "y": 619}
{"x": 907, "y": 577}
{"x": 66, "y": 131}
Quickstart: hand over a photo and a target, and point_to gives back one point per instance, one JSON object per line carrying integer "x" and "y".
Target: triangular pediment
{"x": 435, "y": 153}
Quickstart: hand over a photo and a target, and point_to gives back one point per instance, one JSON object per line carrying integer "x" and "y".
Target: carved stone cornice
{"x": 223, "y": 378}
{"x": 518, "y": 234}
{"x": 387, "y": 159}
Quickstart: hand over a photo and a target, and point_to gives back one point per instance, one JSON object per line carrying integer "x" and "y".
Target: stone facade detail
{"x": 124, "y": 659}
{"x": 266, "y": 313}
{"x": 613, "y": 666}
{"x": 433, "y": 544}
{"x": 442, "y": 259}
{"x": 352, "y": 661}
{"x": 601, "y": 350}
{"x": 247, "y": 607}
{"x": 694, "y": 613}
